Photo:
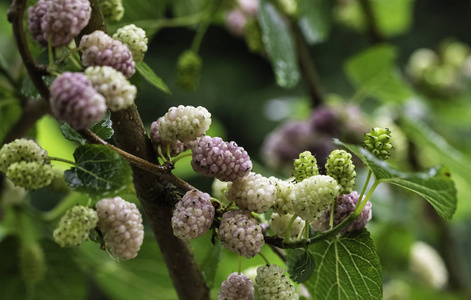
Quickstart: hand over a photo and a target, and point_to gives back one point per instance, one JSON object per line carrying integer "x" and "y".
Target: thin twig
{"x": 371, "y": 23}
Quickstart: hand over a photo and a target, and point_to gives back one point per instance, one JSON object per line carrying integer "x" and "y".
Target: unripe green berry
{"x": 305, "y": 166}
{"x": 112, "y": 10}
{"x": 32, "y": 263}
{"x": 378, "y": 142}
{"x": 75, "y": 225}
{"x": 340, "y": 167}
{"x": 30, "y": 175}
{"x": 20, "y": 150}
{"x": 188, "y": 70}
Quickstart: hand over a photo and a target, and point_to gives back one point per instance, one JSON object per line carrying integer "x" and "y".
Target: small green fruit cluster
{"x": 378, "y": 142}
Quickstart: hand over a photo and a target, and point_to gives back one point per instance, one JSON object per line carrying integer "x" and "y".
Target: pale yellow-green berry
{"x": 135, "y": 39}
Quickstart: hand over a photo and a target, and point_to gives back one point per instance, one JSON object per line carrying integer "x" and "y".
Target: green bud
{"x": 75, "y": 225}
{"x": 378, "y": 142}
{"x": 340, "y": 167}
{"x": 305, "y": 166}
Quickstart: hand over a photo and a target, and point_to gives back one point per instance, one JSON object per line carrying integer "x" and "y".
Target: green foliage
{"x": 99, "y": 171}
{"x": 373, "y": 73}
{"x": 149, "y": 75}
{"x": 279, "y": 45}
{"x": 102, "y": 129}
{"x": 63, "y": 279}
{"x": 210, "y": 263}
{"x": 315, "y": 19}
{"x": 434, "y": 184}
{"x": 300, "y": 264}
{"x": 346, "y": 268}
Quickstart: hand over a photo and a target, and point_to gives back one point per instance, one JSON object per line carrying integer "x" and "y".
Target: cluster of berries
{"x": 25, "y": 163}
{"x": 119, "y": 221}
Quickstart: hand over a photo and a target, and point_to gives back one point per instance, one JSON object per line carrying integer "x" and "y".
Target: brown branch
{"x": 307, "y": 67}
{"x": 35, "y": 71}
{"x": 371, "y": 23}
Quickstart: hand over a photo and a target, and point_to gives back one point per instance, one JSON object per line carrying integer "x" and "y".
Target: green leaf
{"x": 347, "y": 268}
{"x": 300, "y": 264}
{"x": 279, "y": 45}
{"x": 210, "y": 264}
{"x": 373, "y": 73}
{"x": 103, "y": 129}
{"x": 434, "y": 184}
{"x": 315, "y": 19}
{"x": 63, "y": 279}
{"x": 151, "y": 77}
{"x": 99, "y": 171}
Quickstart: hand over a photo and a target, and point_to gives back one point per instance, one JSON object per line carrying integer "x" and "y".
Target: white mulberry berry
{"x": 74, "y": 100}
{"x": 121, "y": 224}
{"x": 64, "y": 20}
{"x": 20, "y": 150}
{"x": 284, "y": 196}
{"x": 241, "y": 233}
{"x": 216, "y": 158}
{"x": 313, "y": 195}
{"x": 252, "y": 192}
{"x": 75, "y": 225}
{"x": 119, "y": 93}
{"x": 184, "y": 123}
{"x": 236, "y": 287}
{"x": 193, "y": 215}
{"x": 135, "y": 39}
{"x": 36, "y": 14}
{"x": 272, "y": 283}
{"x": 99, "y": 49}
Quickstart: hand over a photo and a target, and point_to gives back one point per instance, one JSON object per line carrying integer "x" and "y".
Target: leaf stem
{"x": 181, "y": 155}
{"x": 61, "y": 160}
{"x": 332, "y": 213}
{"x": 368, "y": 177}
{"x": 359, "y": 208}
{"x": 288, "y": 229}
{"x": 240, "y": 265}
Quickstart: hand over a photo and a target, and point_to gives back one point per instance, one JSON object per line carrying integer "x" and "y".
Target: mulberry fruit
{"x": 119, "y": 93}
{"x": 378, "y": 142}
{"x": 75, "y": 225}
{"x": 184, "y": 123}
{"x": 112, "y": 10}
{"x": 252, "y": 192}
{"x": 121, "y": 223}
{"x": 305, "y": 166}
{"x": 236, "y": 287}
{"x": 176, "y": 147}
{"x": 20, "y": 150}
{"x": 74, "y": 100}
{"x": 188, "y": 70}
{"x": 272, "y": 283}
{"x": 193, "y": 215}
{"x": 241, "y": 233}
{"x": 340, "y": 167}
{"x": 36, "y": 15}
{"x": 135, "y": 39}
{"x": 30, "y": 175}
{"x": 99, "y": 49}
{"x": 64, "y": 19}
{"x": 214, "y": 157}
{"x": 313, "y": 195}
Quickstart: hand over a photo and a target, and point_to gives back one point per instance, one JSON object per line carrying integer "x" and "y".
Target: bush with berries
{"x": 113, "y": 181}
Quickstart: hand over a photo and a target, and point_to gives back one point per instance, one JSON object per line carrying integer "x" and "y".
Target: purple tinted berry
{"x": 344, "y": 207}
{"x": 193, "y": 215}
{"x": 74, "y": 100}
{"x": 236, "y": 287}
{"x": 64, "y": 20}
{"x": 36, "y": 14}
{"x": 225, "y": 161}
{"x": 176, "y": 147}
{"x": 241, "y": 233}
{"x": 99, "y": 49}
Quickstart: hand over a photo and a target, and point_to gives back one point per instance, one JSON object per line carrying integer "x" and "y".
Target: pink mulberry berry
{"x": 193, "y": 215}
{"x": 36, "y": 15}
{"x": 74, "y": 100}
{"x": 99, "y": 49}
{"x": 214, "y": 157}
{"x": 64, "y": 20}
{"x": 236, "y": 287}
